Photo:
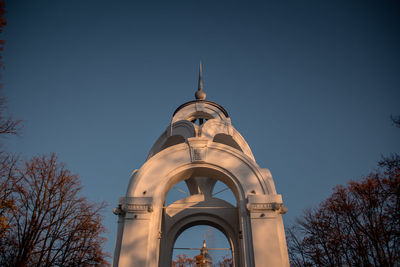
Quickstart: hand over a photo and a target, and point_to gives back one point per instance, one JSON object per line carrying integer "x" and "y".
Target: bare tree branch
{"x": 358, "y": 225}
{"x": 50, "y": 224}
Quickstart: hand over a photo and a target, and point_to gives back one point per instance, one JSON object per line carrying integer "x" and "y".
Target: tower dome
{"x": 201, "y": 118}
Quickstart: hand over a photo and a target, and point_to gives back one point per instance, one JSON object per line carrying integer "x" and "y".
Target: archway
{"x": 189, "y": 243}
{"x": 206, "y": 155}
{"x": 199, "y": 204}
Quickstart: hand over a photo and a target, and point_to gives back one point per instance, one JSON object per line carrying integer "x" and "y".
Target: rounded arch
{"x": 213, "y": 127}
{"x": 173, "y": 164}
{"x": 194, "y": 236}
{"x": 201, "y": 219}
{"x": 183, "y": 128}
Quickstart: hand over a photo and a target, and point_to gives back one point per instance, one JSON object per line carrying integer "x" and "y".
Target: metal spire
{"x": 200, "y": 94}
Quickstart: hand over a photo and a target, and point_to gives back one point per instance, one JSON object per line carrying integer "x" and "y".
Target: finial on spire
{"x": 200, "y": 94}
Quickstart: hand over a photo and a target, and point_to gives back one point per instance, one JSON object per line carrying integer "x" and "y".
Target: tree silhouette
{"x": 358, "y": 225}
{"x": 50, "y": 224}
{"x": 43, "y": 220}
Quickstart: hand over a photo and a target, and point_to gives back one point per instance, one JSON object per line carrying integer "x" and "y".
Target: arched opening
{"x": 199, "y": 117}
{"x": 198, "y": 185}
{"x": 189, "y": 244}
{"x": 200, "y": 196}
{"x": 227, "y": 140}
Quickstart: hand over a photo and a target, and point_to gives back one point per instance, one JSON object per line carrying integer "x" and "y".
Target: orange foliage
{"x": 49, "y": 223}
{"x": 358, "y": 225}
{"x": 183, "y": 260}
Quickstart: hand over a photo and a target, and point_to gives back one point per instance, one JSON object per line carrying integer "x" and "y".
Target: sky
{"x": 310, "y": 85}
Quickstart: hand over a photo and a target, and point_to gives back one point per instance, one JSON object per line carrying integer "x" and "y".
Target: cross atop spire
{"x": 200, "y": 94}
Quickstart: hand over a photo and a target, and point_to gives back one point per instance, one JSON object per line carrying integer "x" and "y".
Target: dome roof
{"x": 201, "y": 118}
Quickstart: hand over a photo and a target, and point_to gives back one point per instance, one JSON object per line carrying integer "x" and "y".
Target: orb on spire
{"x": 200, "y": 94}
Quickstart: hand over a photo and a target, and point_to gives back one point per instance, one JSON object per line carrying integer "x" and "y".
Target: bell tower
{"x": 200, "y": 147}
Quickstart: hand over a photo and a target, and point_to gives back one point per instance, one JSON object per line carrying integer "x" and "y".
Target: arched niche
{"x": 226, "y": 134}
{"x": 227, "y": 140}
{"x": 172, "y": 136}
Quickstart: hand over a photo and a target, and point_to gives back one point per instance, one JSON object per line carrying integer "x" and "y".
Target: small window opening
{"x": 199, "y": 121}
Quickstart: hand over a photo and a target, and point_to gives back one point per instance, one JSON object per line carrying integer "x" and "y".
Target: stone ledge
{"x": 265, "y": 203}
{"x": 135, "y": 204}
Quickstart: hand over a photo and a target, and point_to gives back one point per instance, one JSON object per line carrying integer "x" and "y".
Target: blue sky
{"x": 310, "y": 85}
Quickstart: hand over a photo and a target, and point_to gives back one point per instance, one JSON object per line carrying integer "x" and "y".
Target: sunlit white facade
{"x": 201, "y": 147}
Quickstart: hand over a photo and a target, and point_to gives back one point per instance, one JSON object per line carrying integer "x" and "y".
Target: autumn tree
{"x": 8, "y": 126}
{"x": 8, "y": 162}
{"x": 43, "y": 219}
{"x": 183, "y": 260}
{"x": 226, "y": 261}
{"x": 358, "y": 225}
{"x": 51, "y": 225}
{"x": 7, "y": 174}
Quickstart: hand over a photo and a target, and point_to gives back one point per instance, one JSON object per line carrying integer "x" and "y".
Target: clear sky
{"x": 310, "y": 85}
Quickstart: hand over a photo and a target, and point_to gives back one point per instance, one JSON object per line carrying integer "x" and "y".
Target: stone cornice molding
{"x": 265, "y": 203}
{"x": 135, "y": 204}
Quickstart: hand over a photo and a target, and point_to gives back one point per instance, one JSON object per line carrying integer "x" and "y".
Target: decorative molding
{"x": 198, "y": 148}
{"x": 260, "y": 207}
{"x": 263, "y": 207}
{"x": 265, "y": 203}
{"x": 135, "y": 204}
{"x": 137, "y": 208}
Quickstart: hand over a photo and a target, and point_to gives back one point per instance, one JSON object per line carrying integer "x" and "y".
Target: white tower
{"x": 201, "y": 147}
